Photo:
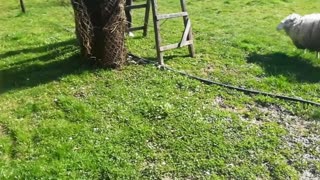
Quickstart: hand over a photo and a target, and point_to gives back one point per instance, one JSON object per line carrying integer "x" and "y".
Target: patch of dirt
{"x": 306, "y": 175}
{"x": 1, "y": 131}
{"x": 207, "y": 70}
{"x": 303, "y": 136}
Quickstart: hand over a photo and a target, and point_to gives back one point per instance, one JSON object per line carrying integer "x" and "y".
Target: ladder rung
{"x": 136, "y": 28}
{"x": 177, "y": 45}
{"x": 138, "y": 6}
{"x": 173, "y": 15}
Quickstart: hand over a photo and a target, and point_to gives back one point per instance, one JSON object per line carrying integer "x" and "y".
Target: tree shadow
{"x": 294, "y": 68}
{"x": 59, "y": 59}
{"x": 49, "y": 47}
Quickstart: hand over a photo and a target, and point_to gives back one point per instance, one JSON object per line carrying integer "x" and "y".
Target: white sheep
{"x": 304, "y": 31}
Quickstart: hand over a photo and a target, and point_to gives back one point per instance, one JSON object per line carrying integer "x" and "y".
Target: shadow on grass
{"x": 166, "y": 58}
{"x": 49, "y": 47}
{"x": 59, "y": 59}
{"x": 293, "y": 67}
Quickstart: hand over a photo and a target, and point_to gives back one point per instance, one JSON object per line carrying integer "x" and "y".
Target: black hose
{"x": 209, "y": 82}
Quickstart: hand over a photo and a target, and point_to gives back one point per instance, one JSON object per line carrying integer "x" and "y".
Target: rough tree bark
{"x": 100, "y": 29}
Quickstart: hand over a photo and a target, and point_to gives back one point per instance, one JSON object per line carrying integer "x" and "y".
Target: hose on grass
{"x": 210, "y": 82}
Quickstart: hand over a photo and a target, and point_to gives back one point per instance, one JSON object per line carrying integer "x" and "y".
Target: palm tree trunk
{"x": 100, "y": 29}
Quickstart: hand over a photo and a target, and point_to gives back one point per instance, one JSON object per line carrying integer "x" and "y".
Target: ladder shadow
{"x": 167, "y": 58}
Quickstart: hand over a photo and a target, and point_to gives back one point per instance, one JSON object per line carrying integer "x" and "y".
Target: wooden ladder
{"x": 129, "y": 7}
{"x": 187, "y": 37}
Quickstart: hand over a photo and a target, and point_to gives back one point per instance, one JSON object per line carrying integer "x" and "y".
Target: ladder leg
{"x": 128, "y": 14}
{"x": 185, "y": 21}
{"x": 146, "y": 18}
{"x": 157, "y": 31}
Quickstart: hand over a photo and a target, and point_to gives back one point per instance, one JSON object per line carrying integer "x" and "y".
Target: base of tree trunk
{"x": 100, "y": 29}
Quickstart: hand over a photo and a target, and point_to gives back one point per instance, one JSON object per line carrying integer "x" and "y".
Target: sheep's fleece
{"x": 304, "y": 31}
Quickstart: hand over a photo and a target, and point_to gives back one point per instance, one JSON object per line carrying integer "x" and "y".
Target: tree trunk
{"x": 100, "y": 29}
{"x": 23, "y": 8}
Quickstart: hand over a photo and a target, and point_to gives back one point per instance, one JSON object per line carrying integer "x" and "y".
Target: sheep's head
{"x": 288, "y": 21}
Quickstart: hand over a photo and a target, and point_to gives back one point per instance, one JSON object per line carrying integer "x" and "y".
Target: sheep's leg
{"x": 318, "y": 54}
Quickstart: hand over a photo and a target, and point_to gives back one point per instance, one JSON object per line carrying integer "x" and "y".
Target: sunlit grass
{"x": 60, "y": 118}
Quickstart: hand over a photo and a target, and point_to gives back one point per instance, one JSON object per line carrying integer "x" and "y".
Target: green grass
{"x": 60, "y": 118}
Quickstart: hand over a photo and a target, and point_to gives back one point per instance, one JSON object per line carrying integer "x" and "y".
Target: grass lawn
{"x": 60, "y": 118}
